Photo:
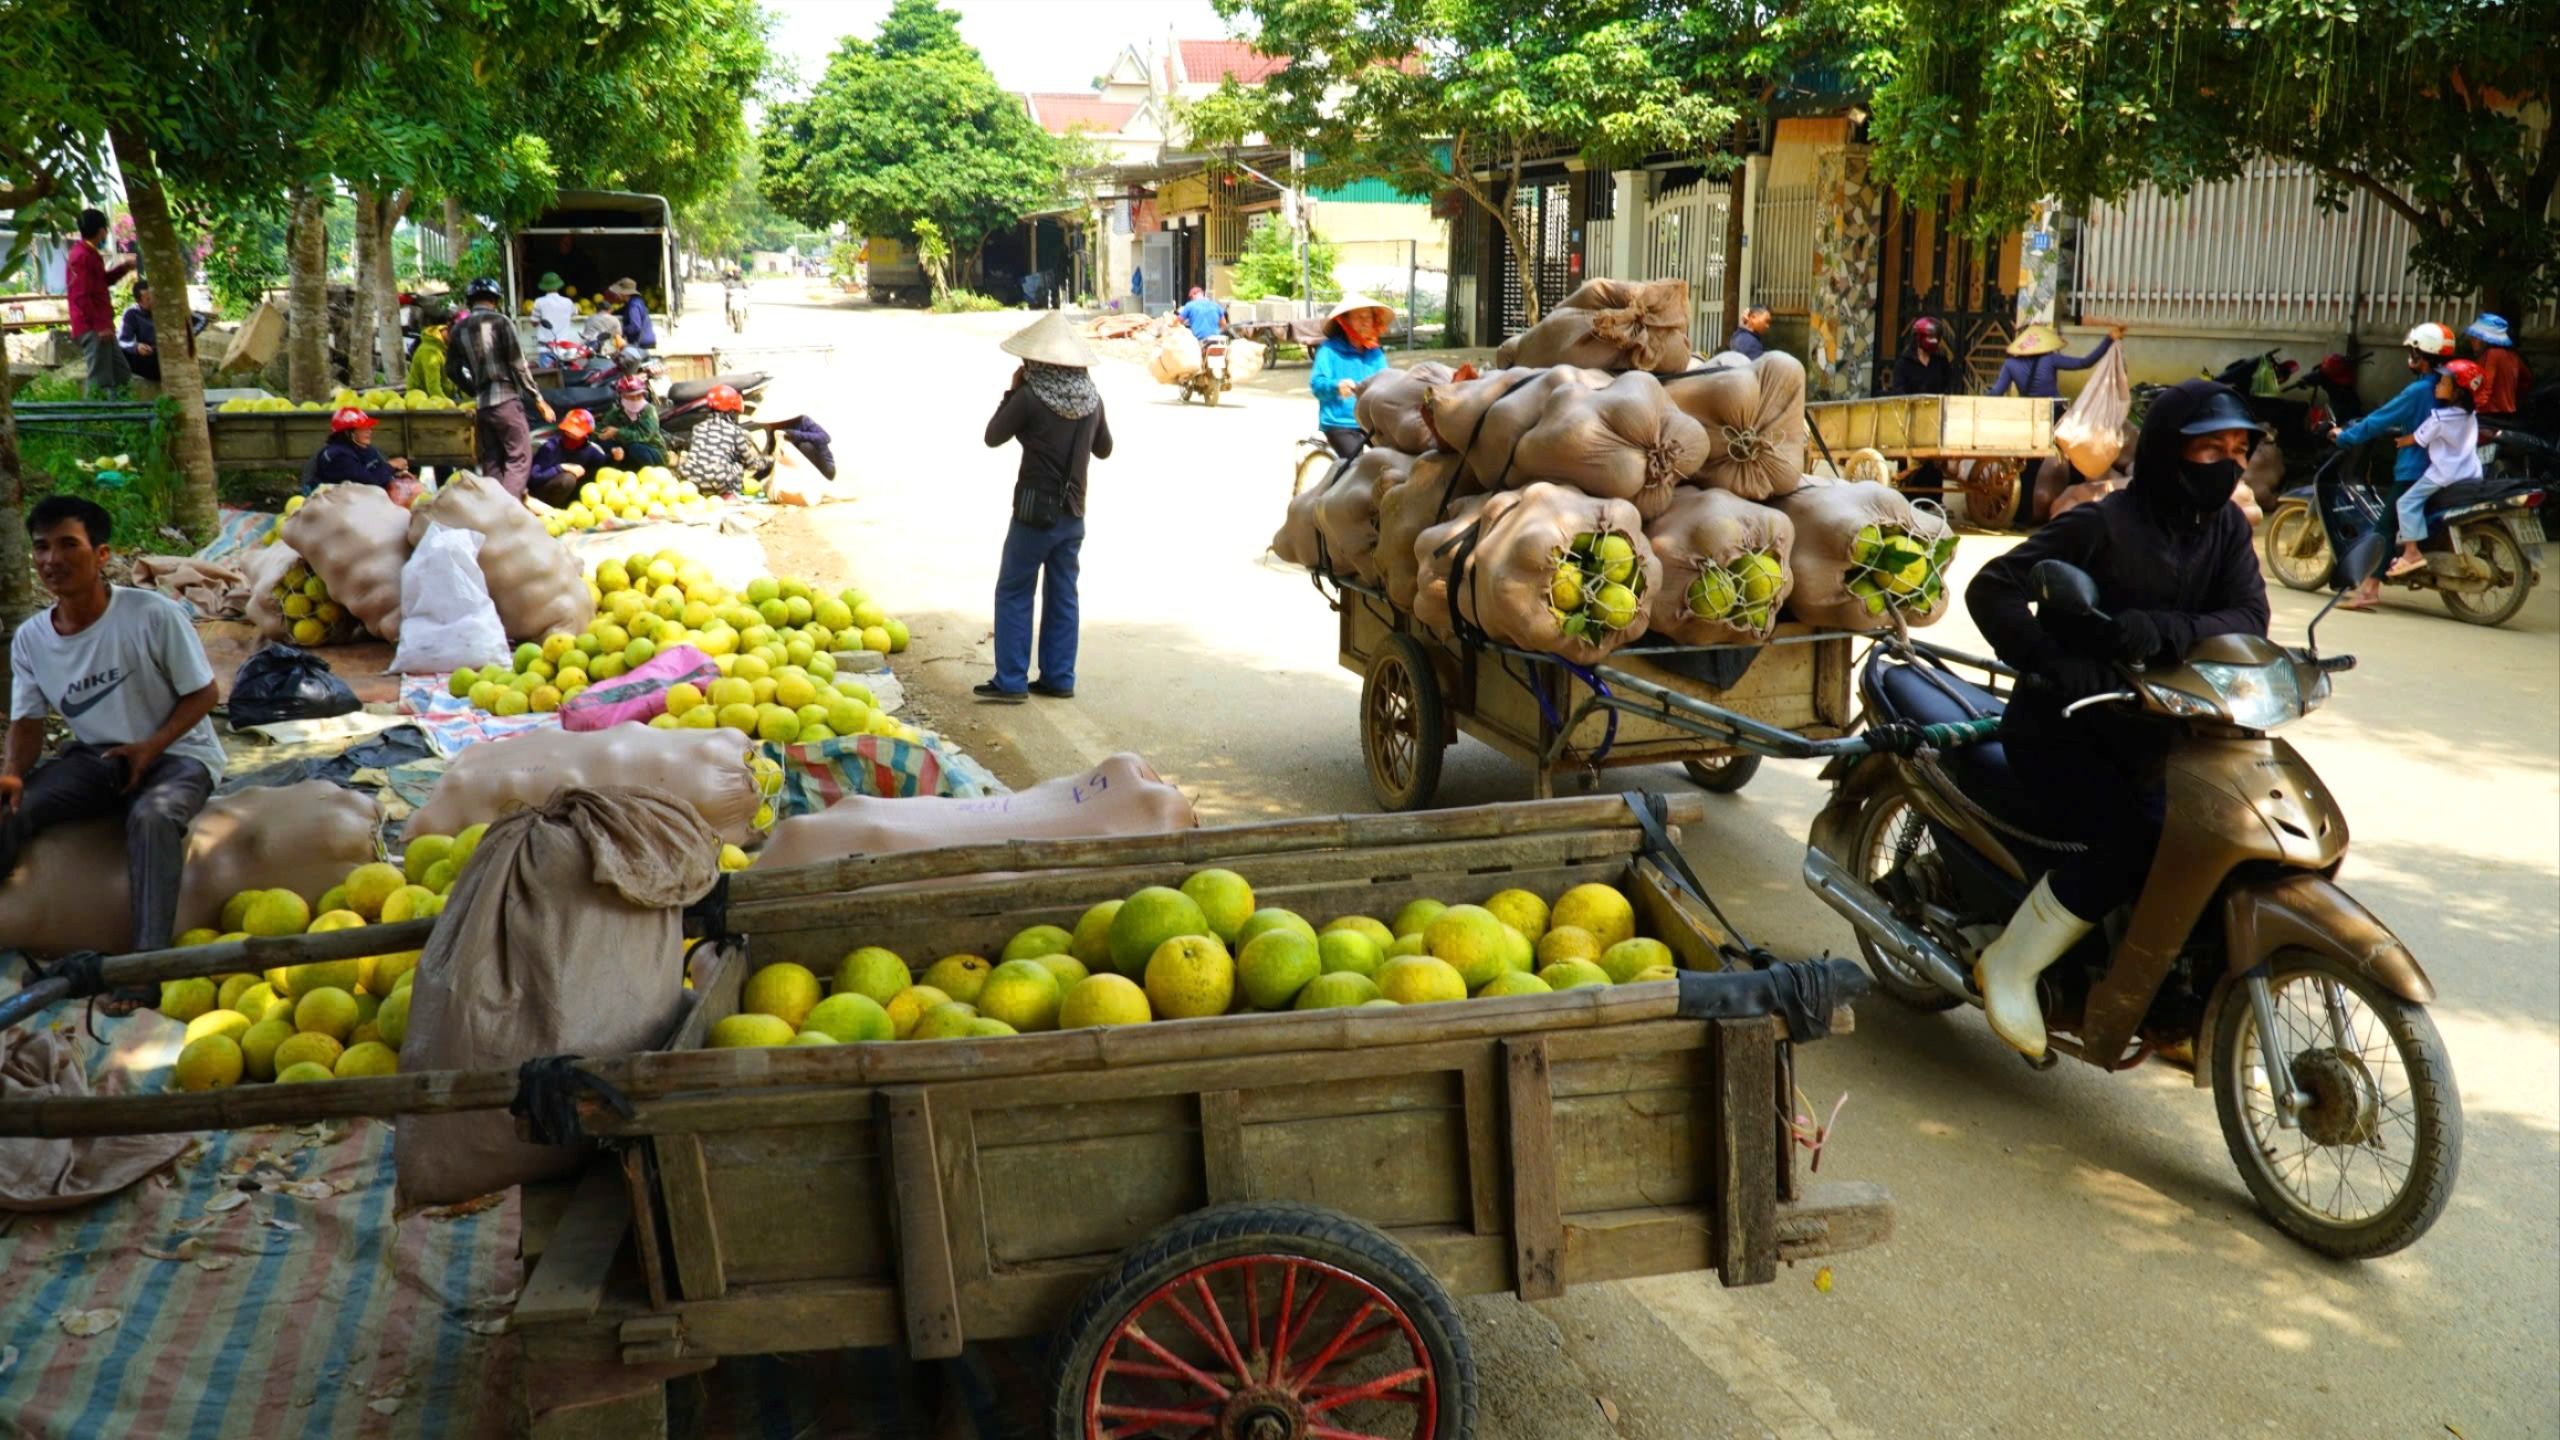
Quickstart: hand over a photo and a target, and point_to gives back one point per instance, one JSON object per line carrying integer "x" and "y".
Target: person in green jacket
{"x": 631, "y": 434}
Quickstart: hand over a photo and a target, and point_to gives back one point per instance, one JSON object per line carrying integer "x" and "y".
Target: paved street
{"x": 2148, "y": 1296}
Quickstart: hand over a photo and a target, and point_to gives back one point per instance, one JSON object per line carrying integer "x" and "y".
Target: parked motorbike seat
{"x": 1935, "y": 697}
{"x": 685, "y": 392}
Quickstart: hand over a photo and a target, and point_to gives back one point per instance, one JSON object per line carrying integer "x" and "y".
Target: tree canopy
{"x": 905, "y": 126}
{"x": 2420, "y": 104}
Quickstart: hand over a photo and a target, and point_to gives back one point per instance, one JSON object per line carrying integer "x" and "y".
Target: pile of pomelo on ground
{"x": 1201, "y": 950}
{"x": 651, "y": 492}
{"x": 773, "y": 644}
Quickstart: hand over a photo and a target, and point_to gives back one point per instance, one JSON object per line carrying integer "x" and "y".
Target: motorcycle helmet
{"x": 2466, "y": 375}
{"x": 631, "y": 383}
{"x": 725, "y": 398}
{"x": 2429, "y": 339}
{"x": 577, "y": 425}
{"x": 349, "y": 418}
{"x": 481, "y": 289}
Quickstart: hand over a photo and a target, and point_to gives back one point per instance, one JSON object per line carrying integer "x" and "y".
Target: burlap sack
{"x": 1713, "y": 590}
{"x": 1297, "y": 538}
{"x": 1121, "y": 796}
{"x": 1610, "y": 325}
{"x": 265, "y": 566}
{"x": 39, "y": 1174}
{"x": 1347, "y": 516}
{"x": 706, "y": 769}
{"x": 1615, "y": 436}
{"x": 1246, "y": 360}
{"x": 1506, "y": 588}
{"x": 564, "y": 936}
{"x": 2247, "y": 500}
{"x": 1389, "y": 404}
{"x": 356, "y": 541}
{"x": 1837, "y": 590}
{"x": 1176, "y": 358}
{"x": 1439, "y": 549}
{"x": 303, "y": 837}
{"x": 1426, "y": 497}
{"x": 534, "y": 580}
{"x": 1754, "y": 419}
{"x": 2086, "y": 492}
{"x": 214, "y": 591}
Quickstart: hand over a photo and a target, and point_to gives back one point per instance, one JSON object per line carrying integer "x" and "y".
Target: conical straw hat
{"x": 1352, "y": 304}
{"x": 2036, "y": 339}
{"x": 1051, "y": 341}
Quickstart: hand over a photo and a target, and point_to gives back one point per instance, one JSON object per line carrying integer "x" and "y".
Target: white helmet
{"x": 2429, "y": 339}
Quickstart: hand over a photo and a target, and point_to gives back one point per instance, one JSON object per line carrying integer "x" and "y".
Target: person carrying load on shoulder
{"x": 348, "y": 457}
{"x": 631, "y": 433}
{"x": 1351, "y": 353}
{"x": 2036, "y": 362}
{"x": 484, "y": 361}
{"x": 124, "y": 670}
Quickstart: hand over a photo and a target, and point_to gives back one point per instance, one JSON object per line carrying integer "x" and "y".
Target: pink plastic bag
{"x": 640, "y": 694}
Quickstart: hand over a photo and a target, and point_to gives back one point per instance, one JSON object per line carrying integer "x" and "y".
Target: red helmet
{"x": 631, "y": 385}
{"x": 2465, "y": 374}
{"x": 350, "y": 418}
{"x": 577, "y": 424}
{"x": 1924, "y": 326}
{"x": 726, "y": 398}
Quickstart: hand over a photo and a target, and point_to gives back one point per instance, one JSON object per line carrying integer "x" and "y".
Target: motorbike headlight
{"x": 2180, "y": 703}
{"x": 2260, "y": 697}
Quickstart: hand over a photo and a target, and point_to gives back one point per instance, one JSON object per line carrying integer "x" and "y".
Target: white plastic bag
{"x": 447, "y": 620}
{"x": 2092, "y": 430}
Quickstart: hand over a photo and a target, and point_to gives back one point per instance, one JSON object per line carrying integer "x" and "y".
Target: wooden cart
{"x": 1649, "y": 705}
{"x": 1241, "y": 1227}
{"x": 1982, "y": 445}
{"x": 284, "y": 439}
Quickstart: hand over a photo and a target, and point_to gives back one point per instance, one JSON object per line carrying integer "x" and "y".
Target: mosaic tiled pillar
{"x": 1847, "y": 265}
{"x": 2040, "y": 264}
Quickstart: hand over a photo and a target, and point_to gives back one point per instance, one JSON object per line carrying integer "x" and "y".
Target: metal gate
{"x": 1951, "y": 278}
{"x": 1684, "y": 234}
{"x": 1544, "y": 212}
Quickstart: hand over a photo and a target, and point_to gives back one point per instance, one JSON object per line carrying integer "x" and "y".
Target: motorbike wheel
{"x": 2371, "y": 1161}
{"x": 2297, "y": 551}
{"x": 2494, "y": 546}
{"x": 1891, "y": 833}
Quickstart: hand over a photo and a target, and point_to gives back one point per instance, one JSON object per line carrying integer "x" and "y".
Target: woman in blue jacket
{"x": 2036, "y": 362}
{"x": 1350, "y": 354}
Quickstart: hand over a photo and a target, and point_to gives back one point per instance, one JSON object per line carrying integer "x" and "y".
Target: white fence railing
{"x": 1684, "y": 237}
{"x": 1782, "y": 249}
{"x": 2258, "y": 253}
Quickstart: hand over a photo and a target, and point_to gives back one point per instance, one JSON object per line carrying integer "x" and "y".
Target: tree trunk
{"x": 307, "y": 320}
{"x": 453, "y": 239}
{"x": 364, "y": 326}
{"x": 164, "y": 260}
{"x": 395, "y": 363}
{"x": 1733, "y": 232}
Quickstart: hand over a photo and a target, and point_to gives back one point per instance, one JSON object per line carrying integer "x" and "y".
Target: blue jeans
{"x": 2412, "y": 506}
{"x": 1027, "y": 553}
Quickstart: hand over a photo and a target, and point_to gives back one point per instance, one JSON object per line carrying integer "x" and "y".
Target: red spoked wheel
{"x": 1266, "y": 1322}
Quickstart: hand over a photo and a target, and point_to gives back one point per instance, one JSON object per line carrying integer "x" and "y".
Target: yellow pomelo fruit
{"x": 201, "y": 935}
{"x": 333, "y": 898}
{"x": 407, "y": 902}
{"x": 1275, "y": 966}
{"x": 369, "y": 885}
{"x": 1146, "y": 921}
{"x": 261, "y": 1002}
{"x": 683, "y": 696}
{"x": 1353, "y": 951}
{"x": 947, "y": 1021}
{"x": 303, "y": 1072}
{"x": 1599, "y": 909}
{"x": 1412, "y": 944}
{"x": 1470, "y": 938}
{"x": 466, "y": 844}
{"x": 1573, "y": 975}
{"x": 1414, "y": 916}
{"x": 1190, "y": 976}
{"x": 390, "y": 970}
{"x": 370, "y": 1058}
{"x": 258, "y": 1047}
{"x": 1374, "y": 928}
{"x": 1067, "y": 968}
{"x": 908, "y": 1006}
{"x": 1268, "y": 919}
{"x": 307, "y": 1047}
{"x": 1625, "y": 958}
{"x": 1104, "y": 999}
{"x": 1568, "y": 942}
{"x": 184, "y": 1000}
{"x": 391, "y": 1022}
{"x": 276, "y": 912}
{"x": 1521, "y": 910}
{"x": 1337, "y": 990}
{"x": 1513, "y": 982}
{"x": 986, "y": 1025}
{"x": 1022, "y": 994}
{"x": 873, "y": 972}
{"x": 1654, "y": 972}
{"x": 1224, "y": 897}
{"x": 209, "y": 1062}
{"x": 813, "y": 1037}
{"x": 423, "y": 851}
{"x": 235, "y": 911}
{"x": 786, "y": 991}
{"x": 1033, "y": 941}
{"x": 1091, "y": 943}
{"x": 1420, "y": 980}
{"x": 745, "y": 1031}
{"x": 233, "y": 987}
{"x": 327, "y": 1011}
{"x": 850, "y": 1018}
{"x": 959, "y": 976}
{"x": 347, "y": 976}
{"x": 218, "y": 1022}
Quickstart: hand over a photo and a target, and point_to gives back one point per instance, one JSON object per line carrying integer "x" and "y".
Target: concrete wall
{"x": 1360, "y": 227}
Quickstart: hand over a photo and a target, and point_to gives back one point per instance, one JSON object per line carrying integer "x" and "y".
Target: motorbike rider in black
{"x": 2173, "y": 563}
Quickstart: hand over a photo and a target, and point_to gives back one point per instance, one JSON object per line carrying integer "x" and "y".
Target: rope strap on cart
{"x": 546, "y": 1100}
{"x": 1652, "y": 813}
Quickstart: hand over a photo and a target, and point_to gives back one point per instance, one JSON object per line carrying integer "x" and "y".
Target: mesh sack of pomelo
{"x": 307, "y": 614}
{"x": 1390, "y": 404}
{"x": 1610, "y": 325}
{"x": 1865, "y": 557}
{"x": 1724, "y": 568}
{"x": 533, "y": 579}
{"x": 355, "y": 540}
{"x": 265, "y": 567}
{"x": 1347, "y": 515}
{"x": 1442, "y": 547}
{"x": 1561, "y": 572}
{"x": 1754, "y": 418}
{"x": 1430, "y": 490}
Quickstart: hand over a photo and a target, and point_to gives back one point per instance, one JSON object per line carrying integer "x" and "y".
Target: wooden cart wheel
{"x": 1723, "y": 776}
{"x": 1992, "y": 492}
{"x": 1403, "y": 729}
{"x": 1265, "y": 1322}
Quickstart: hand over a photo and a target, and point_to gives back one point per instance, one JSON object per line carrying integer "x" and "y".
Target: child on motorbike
{"x": 2428, "y": 346}
{"x": 2451, "y": 437}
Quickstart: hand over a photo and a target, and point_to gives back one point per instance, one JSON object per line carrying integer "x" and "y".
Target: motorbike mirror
{"x": 2362, "y": 561}
{"x": 2063, "y": 588}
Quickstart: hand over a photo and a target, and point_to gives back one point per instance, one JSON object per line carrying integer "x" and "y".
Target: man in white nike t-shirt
{"x": 124, "y": 670}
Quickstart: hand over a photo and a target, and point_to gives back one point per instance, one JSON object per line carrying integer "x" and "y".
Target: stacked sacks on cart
{"x": 1724, "y": 568}
{"x": 333, "y": 570}
{"x": 1865, "y": 555}
{"x": 1610, "y": 325}
{"x": 1753, "y": 414}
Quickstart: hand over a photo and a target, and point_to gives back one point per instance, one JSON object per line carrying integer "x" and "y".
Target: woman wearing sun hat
{"x": 1053, "y": 409}
{"x": 2036, "y": 362}
{"x": 2508, "y": 380}
{"x": 1351, "y": 353}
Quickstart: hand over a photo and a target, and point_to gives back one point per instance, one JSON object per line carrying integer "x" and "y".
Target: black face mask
{"x": 2208, "y": 484}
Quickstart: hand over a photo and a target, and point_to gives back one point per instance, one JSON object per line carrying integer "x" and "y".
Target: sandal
{"x": 2405, "y": 565}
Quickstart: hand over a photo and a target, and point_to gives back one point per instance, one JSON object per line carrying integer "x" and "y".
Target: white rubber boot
{"x": 2006, "y": 974}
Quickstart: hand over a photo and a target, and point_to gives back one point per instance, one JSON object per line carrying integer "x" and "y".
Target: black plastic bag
{"x": 287, "y": 682}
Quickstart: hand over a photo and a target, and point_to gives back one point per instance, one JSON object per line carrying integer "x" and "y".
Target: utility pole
{"x": 1298, "y": 219}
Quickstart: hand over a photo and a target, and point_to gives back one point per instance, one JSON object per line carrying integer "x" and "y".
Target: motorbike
{"x": 687, "y": 401}
{"x": 733, "y": 304}
{"x": 2484, "y": 537}
{"x": 2241, "y": 959}
{"x": 2526, "y": 444}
